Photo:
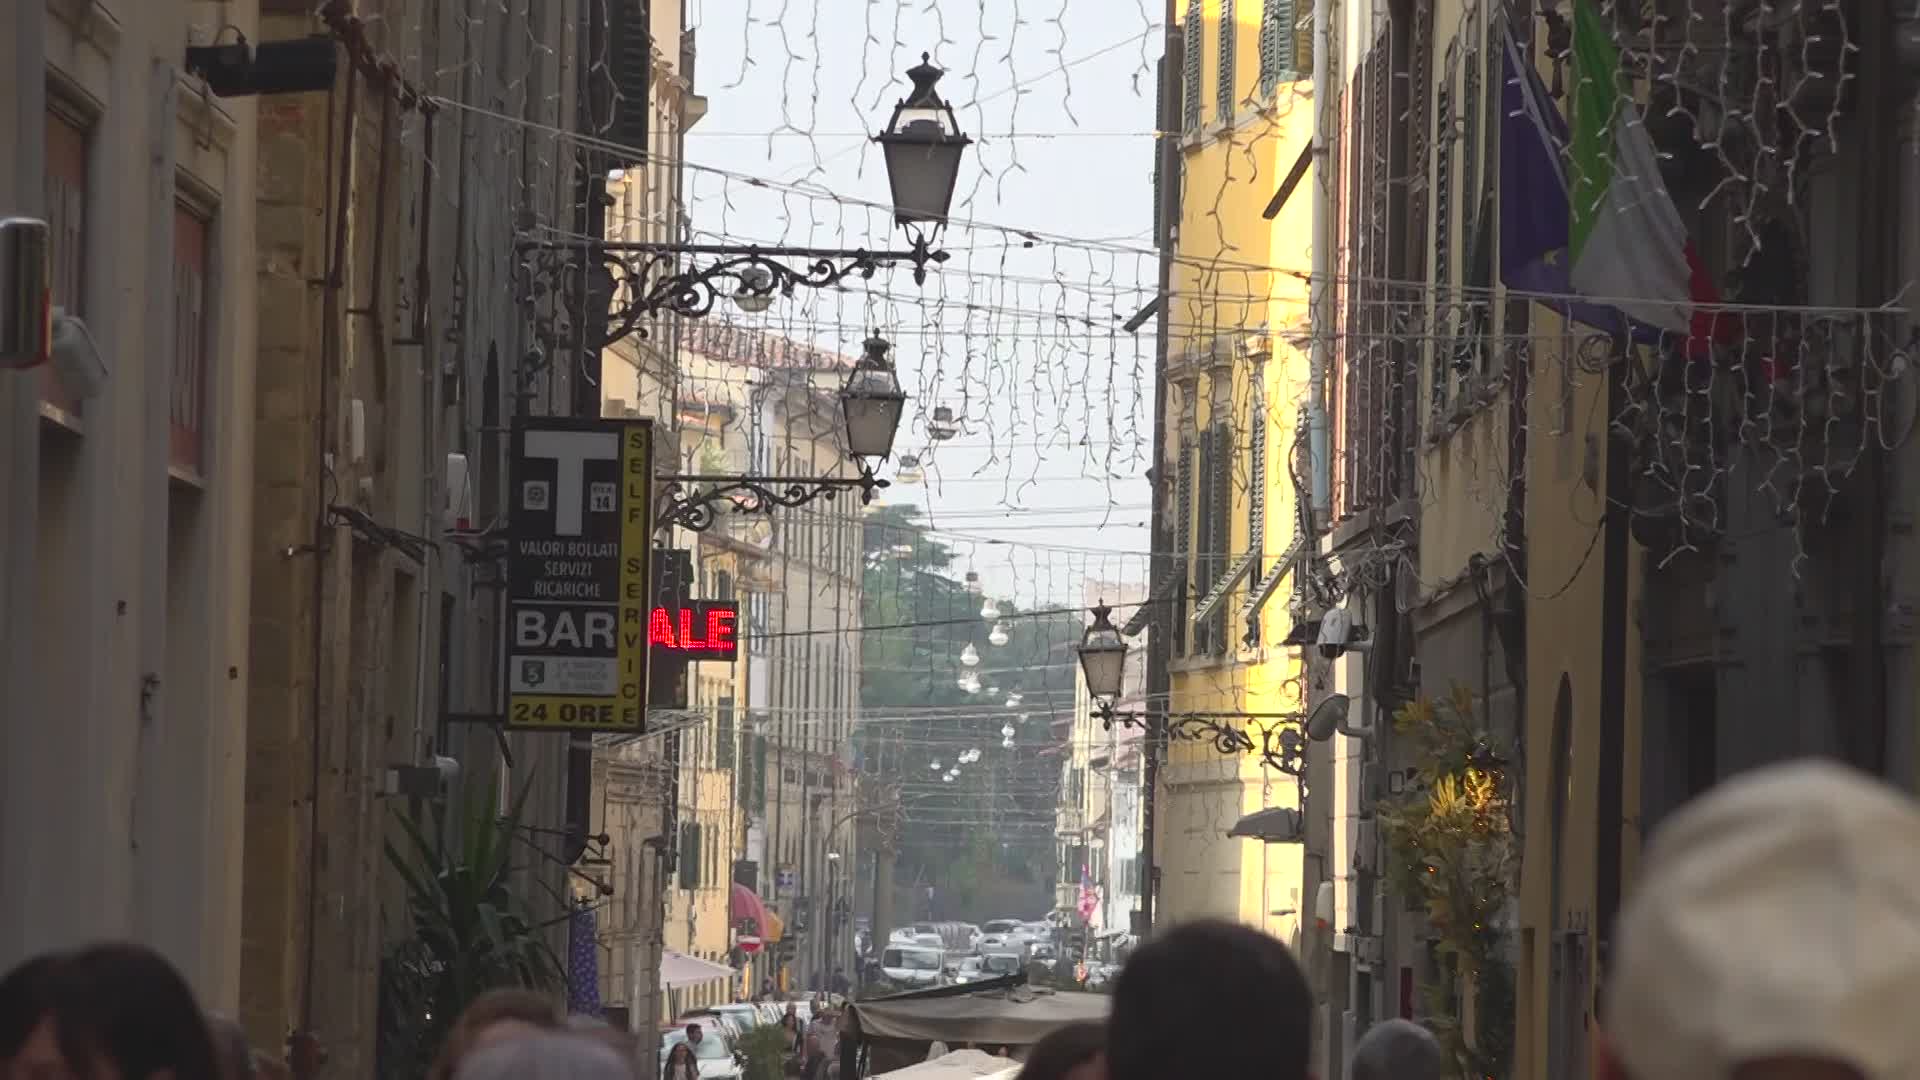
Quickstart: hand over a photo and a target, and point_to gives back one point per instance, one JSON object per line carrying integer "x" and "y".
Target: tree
{"x": 921, "y": 616}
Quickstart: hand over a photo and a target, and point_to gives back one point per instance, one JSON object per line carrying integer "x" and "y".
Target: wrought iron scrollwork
{"x": 696, "y": 502}
{"x": 637, "y": 280}
{"x": 1281, "y": 744}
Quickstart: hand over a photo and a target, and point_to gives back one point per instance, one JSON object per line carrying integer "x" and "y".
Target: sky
{"x": 1019, "y": 332}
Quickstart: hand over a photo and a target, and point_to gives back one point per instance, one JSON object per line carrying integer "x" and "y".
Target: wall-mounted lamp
{"x": 241, "y": 69}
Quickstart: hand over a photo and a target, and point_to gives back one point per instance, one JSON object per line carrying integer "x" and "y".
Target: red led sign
{"x": 701, "y": 630}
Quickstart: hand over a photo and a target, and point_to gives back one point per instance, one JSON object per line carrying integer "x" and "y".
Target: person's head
{"x": 1239, "y": 986}
{"x": 1396, "y": 1050}
{"x": 495, "y": 1017}
{"x": 108, "y": 1012}
{"x": 694, "y": 1034}
{"x": 682, "y": 1053}
{"x": 547, "y": 1055}
{"x": 1773, "y": 934}
{"x": 1073, "y": 1052}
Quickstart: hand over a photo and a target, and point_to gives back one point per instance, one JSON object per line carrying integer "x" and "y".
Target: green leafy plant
{"x": 766, "y": 1050}
{"x": 1453, "y": 851}
{"x": 468, "y": 927}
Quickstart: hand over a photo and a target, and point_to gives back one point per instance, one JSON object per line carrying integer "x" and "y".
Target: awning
{"x": 1274, "y": 825}
{"x": 679, "y": 969}
{"x": 745, "y": 904}
{"x": 1016, "y": 1017}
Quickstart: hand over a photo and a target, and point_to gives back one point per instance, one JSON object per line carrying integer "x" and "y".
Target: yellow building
{"x": 1236, "y": 380}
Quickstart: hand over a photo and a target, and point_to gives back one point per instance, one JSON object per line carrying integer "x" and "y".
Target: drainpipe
{"x": 1320, "y": 289}
{"x": 1159, "y": 680}
{"x": 1903, "y": 760}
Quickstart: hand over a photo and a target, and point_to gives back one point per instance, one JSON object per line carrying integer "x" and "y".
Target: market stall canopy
{"x": 959, "y": 1065}
{"x": 1014, "y": 1016}
{"x": 679, "y": 969}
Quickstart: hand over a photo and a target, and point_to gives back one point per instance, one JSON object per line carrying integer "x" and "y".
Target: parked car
{"x": 710, "y": 1022}
{"x": 970, "y": 969}
{"x": 997, "y": 964}
{"x": 714, "y": 1056}
{"x": 742, "y": 1016}
{"x": 914, "y": 965}
{"x": 1000, "y": 926}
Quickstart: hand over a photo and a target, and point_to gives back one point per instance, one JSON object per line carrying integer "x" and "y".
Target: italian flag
{"x": 1628, "y": 247}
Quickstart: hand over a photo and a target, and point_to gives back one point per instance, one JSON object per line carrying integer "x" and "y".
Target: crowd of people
{"x": 1773, "y": 934}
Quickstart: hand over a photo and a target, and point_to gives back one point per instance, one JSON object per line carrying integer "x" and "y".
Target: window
{"x": 1227, "y": 100}
{"x": 1213, "y": 532}
{"x": 689, "y": 857}
{"x": 186, "y": 441}
{"x": 1190, "y": 76}
{"x": 1256, "y": 493}
{"x": 1278, "y": 44}
{"x": 723, "y": 734}
{"x": 67, "y": 167}
{"x": 1183, "y": 539}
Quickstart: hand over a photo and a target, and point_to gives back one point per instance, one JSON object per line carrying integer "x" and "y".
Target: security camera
{"x": 77, "y": 362}
{"x": 1339, "y": 634}
{"x": 1331, "y": 716}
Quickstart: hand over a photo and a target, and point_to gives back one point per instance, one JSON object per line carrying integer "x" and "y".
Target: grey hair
{"x": 1397, "y": 1050}
{"x": 547, "y": 1057}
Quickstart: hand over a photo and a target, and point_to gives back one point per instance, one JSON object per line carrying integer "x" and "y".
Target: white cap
{"x": 1777, "y": 915}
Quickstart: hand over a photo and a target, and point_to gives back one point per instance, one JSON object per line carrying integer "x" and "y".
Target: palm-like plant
{"x": 469, "y": 930}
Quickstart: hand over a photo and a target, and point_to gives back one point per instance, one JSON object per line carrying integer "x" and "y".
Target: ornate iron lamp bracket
{"x": 643, "y": 279}
{"x": 1281, "y": 744}
{"x": 696, "y": 502}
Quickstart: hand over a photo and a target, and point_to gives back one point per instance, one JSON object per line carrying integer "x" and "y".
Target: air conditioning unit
{"x": 456, "y": 512}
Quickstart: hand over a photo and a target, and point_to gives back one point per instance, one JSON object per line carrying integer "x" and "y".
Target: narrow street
{"x": 756, "y": 515}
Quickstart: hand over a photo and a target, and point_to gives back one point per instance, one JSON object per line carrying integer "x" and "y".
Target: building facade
{"x": 1234, "y": 374}
{"x": 124, "y": 658}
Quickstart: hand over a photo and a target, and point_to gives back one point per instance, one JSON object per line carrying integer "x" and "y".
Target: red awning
{"x": 745, "y": 904}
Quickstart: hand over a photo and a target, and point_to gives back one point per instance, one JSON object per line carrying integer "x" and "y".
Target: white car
{"x": 713, "y": 1057}
{"x": 914, "y": 965}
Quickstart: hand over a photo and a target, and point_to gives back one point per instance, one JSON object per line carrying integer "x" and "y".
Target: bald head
{"x": 1397, "y": 1050}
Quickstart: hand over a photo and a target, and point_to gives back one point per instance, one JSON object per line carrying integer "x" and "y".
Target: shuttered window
{"x": 1159, "y": 96}
{"x": 67, "y": 166}
{"x": 186, "y": 441}
{"x": 1228, "y": 101}
{"x": 1220, "y": 529}
{"x": 1443, "y": 190}
{"x": 1203, "y": 539}
{"x": 1190, "y": 75}
{"x": 723, "y": 734}
{"x": 1183, "y": 542}
{"x": 1278, "y": 44}
{"x": 1257, "y": 496}
{"x": 689, "y": 859}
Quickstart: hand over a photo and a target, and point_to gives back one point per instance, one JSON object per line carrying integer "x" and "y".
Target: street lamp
{"x": 871, "y": 402}
{"x": 1103, "y": 661}
{"x": 1103, "y": 656}
{"x": 922, "y": 146}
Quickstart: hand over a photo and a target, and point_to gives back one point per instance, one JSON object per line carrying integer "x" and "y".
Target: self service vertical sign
{"x": 579, "y": 583}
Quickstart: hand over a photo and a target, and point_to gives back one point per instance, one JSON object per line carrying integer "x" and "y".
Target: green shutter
{"x": 758, "y": 801}
{"x": 1277, "y": 44}
{"x": 1182, "y": 543}
{"x": 1256, "y": 496}
{"x": 1222, "y": 510}
{"x": 723, "y": 738}
{"x": 1204, "y": 540}
{"x": 1228, "y": 101}
{"x": 1190, "y": 77}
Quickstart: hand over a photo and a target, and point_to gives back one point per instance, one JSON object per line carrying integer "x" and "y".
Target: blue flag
{"x": 583, "y": 964}
{"x": 1535, "y": 214}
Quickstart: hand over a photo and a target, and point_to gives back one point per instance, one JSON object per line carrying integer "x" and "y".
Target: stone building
{"x": 124, "y": 662}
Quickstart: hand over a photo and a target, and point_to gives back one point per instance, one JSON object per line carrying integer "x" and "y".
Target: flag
{"x": 1626, "y": 242}
{"x": 1536, "y": 212}
{"x": 583, "y": 964}
{"x": 1089, "y": 899}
